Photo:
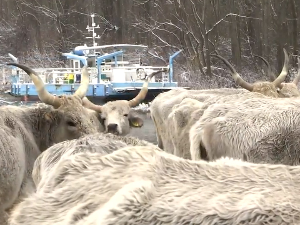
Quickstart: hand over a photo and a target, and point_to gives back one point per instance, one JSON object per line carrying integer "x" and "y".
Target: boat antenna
{"x": 92, "y": 28}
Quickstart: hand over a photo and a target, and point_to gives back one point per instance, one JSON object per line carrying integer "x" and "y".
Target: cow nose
{"x": 112, "y": 127}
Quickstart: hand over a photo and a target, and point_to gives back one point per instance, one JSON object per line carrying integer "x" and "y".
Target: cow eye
{"x": 71, "y": 123}
{"x": 125, "y": 115}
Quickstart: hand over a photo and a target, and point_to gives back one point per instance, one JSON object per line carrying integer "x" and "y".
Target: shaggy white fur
{"x": 140, "y": 185}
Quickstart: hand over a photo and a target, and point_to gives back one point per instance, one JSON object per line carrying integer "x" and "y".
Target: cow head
{"x": 265, "y": 88}
{"x": 290, "y": 89}
{"x": 68, "y": 118}
{"x": 117, "y": 117}
{"x": 287, "y": 90}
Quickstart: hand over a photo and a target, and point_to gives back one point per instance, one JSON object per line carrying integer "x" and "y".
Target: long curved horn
{"x": 271, "y": 75}
{"x": 143, "y": 92}
{"x": 88, "y": 104}
{"x": 297, "y": 78}
{"x": 284, "y": 71}
{"x": 43, "y": 94}
{"x": 237, "y": 78}
{"x": 84, "y": 85}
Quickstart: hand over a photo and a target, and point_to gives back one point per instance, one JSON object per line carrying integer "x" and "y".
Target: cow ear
{"x": 135, "y": 121}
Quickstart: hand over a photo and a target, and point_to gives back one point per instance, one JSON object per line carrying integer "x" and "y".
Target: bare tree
{"x": 38, "y": 31}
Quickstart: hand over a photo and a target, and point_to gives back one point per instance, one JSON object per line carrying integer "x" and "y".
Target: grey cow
{"x": 162, "y": 106}
{"x": 99, "y": 142}
{"x": 117, "y": 117}
{"x": 169, "y": 110}
{"x": 286, "y": 89}
{"x": 248, "y": 129}
{"x": 27, "y": 131}
{"x": 140, "y": 185}
{"x": 264, "y": 87}
{"x": 174, "y": 125}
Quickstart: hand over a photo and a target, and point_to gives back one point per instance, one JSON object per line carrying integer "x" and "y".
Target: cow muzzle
{"x": 113, "y": 128}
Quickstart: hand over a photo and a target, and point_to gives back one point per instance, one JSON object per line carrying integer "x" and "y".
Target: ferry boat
{"x": 116, "y": 72}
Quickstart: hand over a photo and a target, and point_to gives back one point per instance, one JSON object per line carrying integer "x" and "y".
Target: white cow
{"x": 248, "y": 130}
{"x": 27, "y": 131}
{"x": 141, "y": 185}
{"x": 100, "y": 142}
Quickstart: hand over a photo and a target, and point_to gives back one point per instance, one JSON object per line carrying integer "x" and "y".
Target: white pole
{"x": 92, "y": 28}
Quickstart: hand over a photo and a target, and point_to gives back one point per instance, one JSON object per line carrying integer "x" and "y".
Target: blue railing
{"x": 72, "y": 56}
{"x": 108, "y": 56}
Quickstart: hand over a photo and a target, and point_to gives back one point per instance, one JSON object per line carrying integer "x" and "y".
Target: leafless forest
{"x": 37, "y": 31}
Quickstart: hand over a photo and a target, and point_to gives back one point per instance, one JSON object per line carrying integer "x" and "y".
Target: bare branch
{"x": 227, "y": 15}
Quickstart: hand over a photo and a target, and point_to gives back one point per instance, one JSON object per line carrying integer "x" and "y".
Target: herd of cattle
{"x": 224, "y": 156}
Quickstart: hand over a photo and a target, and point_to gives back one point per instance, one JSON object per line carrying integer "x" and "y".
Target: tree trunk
{"x": 234, "y": 36}
{"x": 294, "y": 30}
